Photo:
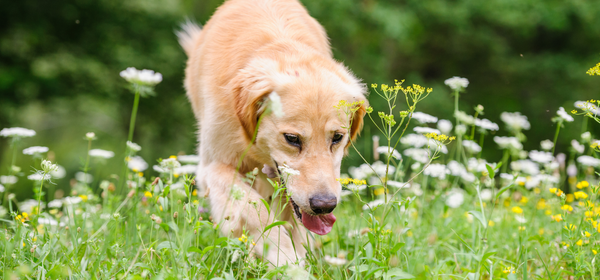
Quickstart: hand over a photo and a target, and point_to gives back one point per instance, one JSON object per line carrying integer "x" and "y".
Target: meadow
{"x": 428, "y": 207}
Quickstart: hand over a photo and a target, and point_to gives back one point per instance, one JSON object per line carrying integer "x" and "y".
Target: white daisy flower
{"x": 586, "y": 136}
{"x": 547, "y": 145}
{"x": 59, "y": 173}
{"x": 445, "y": 126}
{"x": 424, "y": 130}
{"x": 577, "y": 147}
{"x": 144, "y": 77}
{"x": 133, "y": 146}
{"x": 486, "y": 194}
{"x": 47, "y": 221}
{"x": 137, "y": 164}
{"x": 457, "y": 83}
{"x": 420, "y": 155}
{"x": 525, "y": 166}
{"x": 71, "y": 200}
{"x": 541, "y": 157}
{"x": 478, "y": 165}
{"x": 424, "y": 118}
{"x": 90, "y": 136}
{"x": 275, "y": 104}
{"x": 436, "y": 170}
{"x": 83, "y": 177}
{"x": 373, "y": 204}
{"x": 588, "y": 161}
{"x": 587, "y": 107}
{"x": 460, "y": 129}
{"x": 564, "y": 115}
{"x": 35, "y": 150}
{"x": 508, "y": 142}
{"x": 186, "y": 169}
{"x": 57, "y": 203}
{"x": 286, "y": 170}
{"x": 28, "y": 205}
{"x": 385, "y": 150}
{"x": 99, "y": 153}
{"x": 189, "y": 158}
{"x": 397, "y": 184}
{"x": 464, "y": 118}
{"x": 335, "y": 261}
{"x": 361, "y": 172}
{"x": 17, "y": 132}
{"x": 515, "y": 121}
{"x": 415, "y": 140}
{"x": 381, "y": 167}
{"x": 471, "y": 146}
{"x": 9, "y": 179}
{"x": 572, "y": 170}
{"x": 48, "y": 166}
{"x": 455, "y": 198}
{"x": 486, "y": 124}
{"x": 2, "y": 189}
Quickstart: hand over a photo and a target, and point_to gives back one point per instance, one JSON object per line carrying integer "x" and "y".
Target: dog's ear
{"x": 251, "y": 87}
{"x": 357, "y": 121}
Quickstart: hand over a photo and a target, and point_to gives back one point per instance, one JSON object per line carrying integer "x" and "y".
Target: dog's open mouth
{"x": 319, "y": 224}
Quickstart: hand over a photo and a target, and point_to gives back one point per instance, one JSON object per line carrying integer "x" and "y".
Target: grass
{"x": 439, "y": 212}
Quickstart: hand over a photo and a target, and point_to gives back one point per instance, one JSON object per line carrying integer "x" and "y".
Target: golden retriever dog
{"x": 250, "y": 55}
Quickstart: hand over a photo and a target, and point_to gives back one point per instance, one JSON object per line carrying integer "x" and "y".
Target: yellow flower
{"x": 567, "y": 207}
{"x": 378, "y": 191}
{"x": 589, "y": 213}
{"x": 195, "y": 192}
{"x": 173, "y": 157}
{"x": 148, "y": 194}
{"x": 556, "y": 217}
{"x": 160, "y": 207}
{"x": 580, "y": 195}
{"x": 582, "y": 184}
{"x": 587, "y": 234}
{"x": 548, "y": 212}
{"x": 594, "y": 70}
{"x": 524, "y": 199}
{"x": 83, "y": 197}
{"x": 140, "y": 174}
{"x": 508, "y": 269}
{"x": 517, "y": 210}
{"x": 570, "y": 198}
{"x": 491, "y": 223}
{"x": 561, "y": 193}
{"x": 25, "y": 215}
{"x": 579, "y": 242}
{"x": 565, "y": 244}
{"x": 594, "y": 251}
{"x": 553, "y": 190}
{"x": 521, "y": 228}
{"x": 244, "y": 238}
{"x": 541, "y": 204}
{"x": 541, "y": 231}
{"x": 537, "y": 190}
{"x": 570, "y": 227}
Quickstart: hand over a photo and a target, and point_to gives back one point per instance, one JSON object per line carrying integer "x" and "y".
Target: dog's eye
{"x": 337, "y": 138}
{"x": 292, "y": 139}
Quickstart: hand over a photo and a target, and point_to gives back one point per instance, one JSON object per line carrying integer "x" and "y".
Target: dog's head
{"x": 311, "y": 136}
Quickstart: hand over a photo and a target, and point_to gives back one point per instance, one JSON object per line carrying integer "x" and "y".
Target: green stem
{"x": 559, "y": 124}
{"x": 136, "y": 101}
{"x": 11, "y": 171}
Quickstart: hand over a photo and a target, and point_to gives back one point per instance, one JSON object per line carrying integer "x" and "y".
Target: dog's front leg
{"x": 237, "y": 206}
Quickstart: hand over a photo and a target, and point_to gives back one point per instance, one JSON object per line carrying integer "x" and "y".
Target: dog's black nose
{"x": 323, "y": 203}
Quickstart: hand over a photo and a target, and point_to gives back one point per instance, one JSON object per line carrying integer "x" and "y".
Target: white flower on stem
{"x": 547, "y": 145}
{"x": 90, "y": 136}
{"x": 71, "y": 200}
{"x": 275, "y": 104}
{"x": 508, "y": 142}
{"x": 564, "y": 115}
{"x": 460, "y": 129}
{"x": 445, "y": 126}
{"x": 588, "y": 161}
{"x": 579, "y": 148}
{"x": 380, "y": 168}
{"x": 373, "y": 204}
{"x": 520, "y": 219}
{"x": 515, "y": 121}
{"x": 361, "y": 172}
{"x": 415, "y": 140}
{"x": 455, "y": 198}
{"x": 424, "y": 118}
{"x": 99, "y": 153}
{"x": 525, "y": 166}
{"x": 57, "y": 203}
{"x": 59, "y": 173}
{"x": 84, "y": 177}
{"x": 486, "y": 124}
{"x": 133, "y": 146}
{"x": 9, "y": 179}
{"x": 587, "y": 107}
{"x": 464, "y": 118}
{"x": 478, "y": 165}
{"x": 27, "y": 206}
{"x": 189, "y": 158}
{"x": 486, "y": 194}
{"x": 39, "y": 176}
{"x": 2, "y": 189}
{"x": 335, "y": 261}
{"x": 586, "y": 137}
{"x": 143, "y": 77}
{"x": 471, "y": 146}
{"x": 541, "y": 157}
{"x": 137, "y": 164}
{"x": 385, "y": 150}
{"x": 397, "y": 184}
{"x": 457, "y": 83}
{"x": 17, "y": 132}
{"x": 286, "y": 170}
{"x": 420, "y": 155}
{"x": 3, "y": 211}
{"x": 425, "y": 130}
{"x": 47, "y": 221}
{"x": 572, "y": 170}
{"x": 436, "y": 170}
{"x": 35, "y": 150}
{"x": 48, "y": 166}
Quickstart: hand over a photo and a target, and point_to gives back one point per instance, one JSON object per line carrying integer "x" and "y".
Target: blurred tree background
{"x": 60, "y": 64}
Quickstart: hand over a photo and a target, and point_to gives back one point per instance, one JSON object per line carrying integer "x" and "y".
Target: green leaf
{"x": 173, "y": 226}
{"x": 479, "y": 217}
{"x": 278, "y": 223}
{"x": 164, "y": 226}
{"x": 166, "y": 245}
{"x": 266, "y": 205}
{"x": 397, "y": 247}
{"x": 487, "y": 255}
{"x": 208, "y": 248}
{"x": 498, "y": 166}
{"x": 490, "y": 170}
{"x": 398, "y": 274}
{"x": 502, "y": 190}
{"x": 194, "y": 250}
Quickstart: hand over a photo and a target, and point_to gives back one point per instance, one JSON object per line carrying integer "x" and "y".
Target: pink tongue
{"x": 320, "y": 225}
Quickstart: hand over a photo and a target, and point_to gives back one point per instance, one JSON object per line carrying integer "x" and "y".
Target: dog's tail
{"x": 188, "y": 35}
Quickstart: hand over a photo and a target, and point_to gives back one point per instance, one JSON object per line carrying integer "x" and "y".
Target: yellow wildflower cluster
{"x": 347, "y": 181}
{"x": 556, "y": 191}
{"x": 509, "y": 270}
{"x": 580, "y": 195}
{"x": 442, "y": 138}
{"x": 582, "y": 184}
{"x": 594, "y": 70}
{"x": 517, "y": 210}
{"x": 22, "y": 218}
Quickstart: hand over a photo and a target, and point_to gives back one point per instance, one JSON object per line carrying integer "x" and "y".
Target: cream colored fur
{"x": 246, "y": 51}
